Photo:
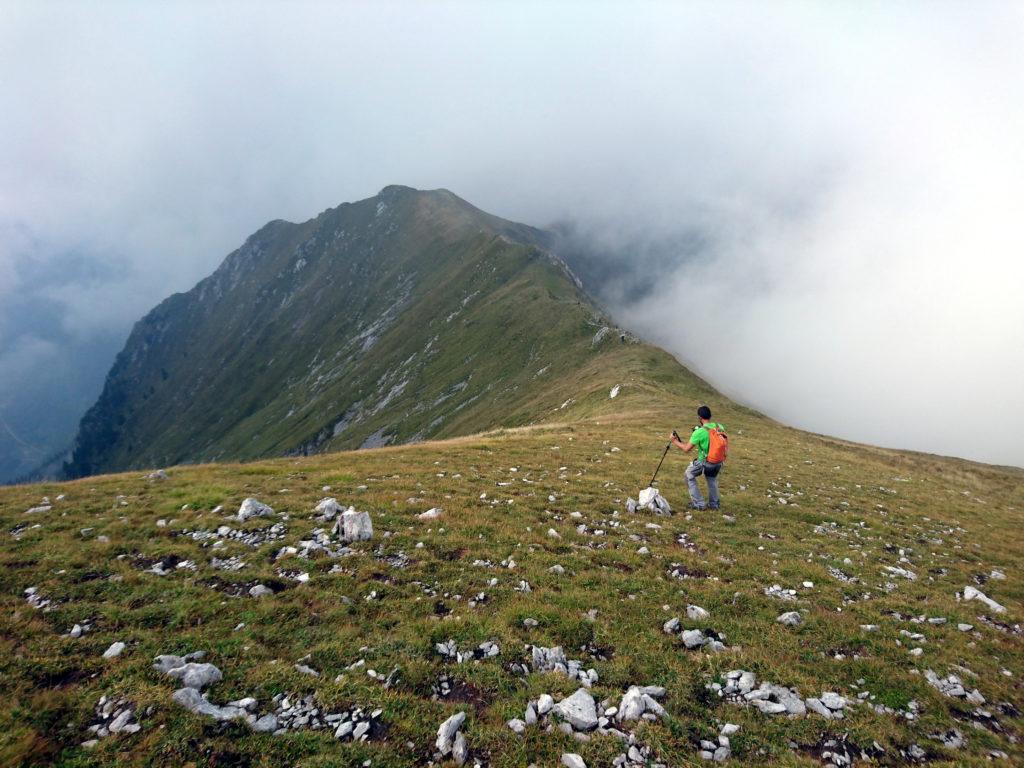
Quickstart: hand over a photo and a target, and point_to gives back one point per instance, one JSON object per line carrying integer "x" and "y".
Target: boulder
{"x": 166, "y": 662}
{"x": 194, "y": 701}
{"x": 354, "y": 526}
{"x": 632, "y": 705}
{"x": 328, "y": 509}
{"x": 196, "y": 676}
{"x": 544, "y": 704}
{"x": 549, "y": 659}
{"x": 578, "y": 710}
{"x": 266, "y": 724}
{"x": 115, "y": 650}
{"x": 252, "y": 508}
{"x": 970, "y": 593}
{"x": 833, "y": 700}
{"x": 446, "y": 732}
{"x": 652, "y": 500}
{"x": 460, "y": 750}
{"x": 817, "y": 707}
{"x": 693, "y": 638}
{"x": 790, "y": 619}
{"x": 696, "y": 613}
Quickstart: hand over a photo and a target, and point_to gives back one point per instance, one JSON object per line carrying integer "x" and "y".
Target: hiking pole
{"x": 663, "y": 455}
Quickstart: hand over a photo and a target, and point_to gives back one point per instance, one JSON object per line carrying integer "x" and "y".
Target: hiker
{"x": 712, "y": 446}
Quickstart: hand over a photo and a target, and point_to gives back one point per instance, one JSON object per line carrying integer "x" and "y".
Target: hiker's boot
{"x": 698, "y": 507}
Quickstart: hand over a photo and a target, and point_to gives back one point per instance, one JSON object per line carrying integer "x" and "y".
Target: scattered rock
{"x": 431, "y": 514}
{"x": 776, "y": 591}
{"x": 739, "y": 688}
{"x": 953, "y": 687}
{"x": 694, "y": 639}
{"x": 721, "y": 750}
{"x": 554, "y": 660}
{"x": 571, "y": 759}
{"x": 970, "y": 593}
{"x": 790, "y": 619}
{"x": 115, "y": 650}
{"x": 902, "y": 572}
{"x": 166, "y": 662}
{"x": 951, "y": 739}
{"x": 112, "y": 716}
{"x": 37, "y": 601}
{"x": 449, "y": 650}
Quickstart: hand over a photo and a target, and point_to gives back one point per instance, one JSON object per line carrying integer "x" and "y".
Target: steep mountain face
{"x": 397, "y": 318}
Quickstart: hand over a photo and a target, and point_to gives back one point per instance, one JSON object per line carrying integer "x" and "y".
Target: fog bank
{"x": 826, "y": 194}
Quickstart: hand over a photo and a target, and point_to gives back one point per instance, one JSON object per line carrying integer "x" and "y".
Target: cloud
{"x": 828, "y": 192}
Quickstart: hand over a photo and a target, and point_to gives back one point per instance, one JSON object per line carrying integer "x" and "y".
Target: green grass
{"x": 51, "y": 683}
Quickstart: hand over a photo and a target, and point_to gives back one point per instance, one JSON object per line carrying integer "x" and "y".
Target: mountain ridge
{"x": 395, "y": 318}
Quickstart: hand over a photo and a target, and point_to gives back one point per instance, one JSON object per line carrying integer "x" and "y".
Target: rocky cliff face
{"x": 404, "y": 316}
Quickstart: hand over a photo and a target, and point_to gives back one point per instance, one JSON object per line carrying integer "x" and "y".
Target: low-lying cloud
{"x": 827, "y": 195}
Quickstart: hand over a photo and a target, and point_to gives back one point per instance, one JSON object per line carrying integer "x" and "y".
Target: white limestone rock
{"x": 354, "y": 526}
{"x": 252, "y": 508}
{"x": 578, "y": 710}
{"x": 115, "y": 650}
{"x": 196, "y": 676}
{"x": 328, "y": 509}
{"x": 446, "y": 732}
{"x": 696, "y": 613}
{"x": 460, "y": 749}
{"x": 970, "y": 593}
{"x": 652, "y": 500}
{"x": 194, "y": 701}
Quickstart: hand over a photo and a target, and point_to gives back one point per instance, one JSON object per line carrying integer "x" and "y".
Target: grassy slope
{"x": 875, "y": 498}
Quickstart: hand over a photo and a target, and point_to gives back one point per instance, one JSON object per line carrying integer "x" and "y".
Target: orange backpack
{"x": 718, "y": 444}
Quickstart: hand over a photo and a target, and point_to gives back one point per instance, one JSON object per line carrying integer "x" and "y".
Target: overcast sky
{"x": 855, "y": 173}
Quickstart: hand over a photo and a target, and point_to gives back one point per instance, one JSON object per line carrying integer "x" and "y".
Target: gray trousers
{"x": 697, "y": 468}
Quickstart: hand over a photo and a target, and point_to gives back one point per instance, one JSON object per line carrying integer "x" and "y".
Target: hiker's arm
{"x": 684, "y": 447}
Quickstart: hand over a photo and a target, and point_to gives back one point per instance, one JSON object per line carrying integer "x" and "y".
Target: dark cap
{"x": 704, "y": 412}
